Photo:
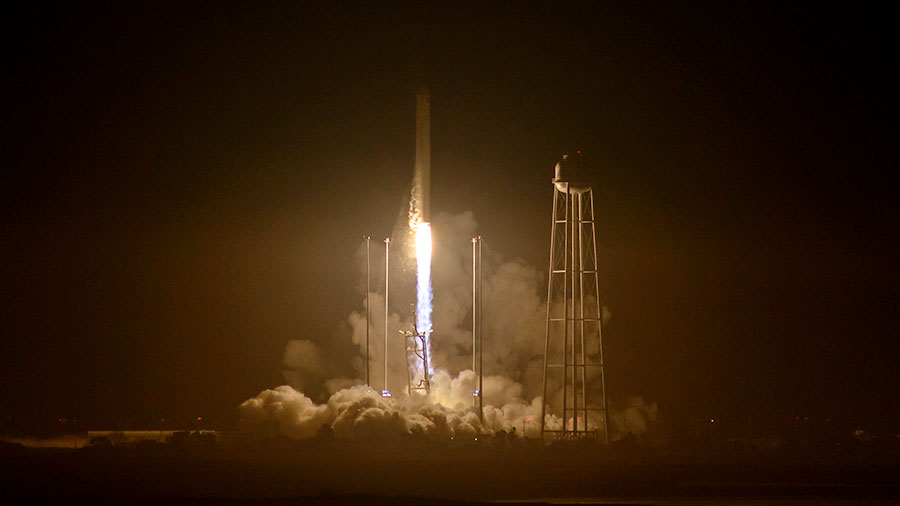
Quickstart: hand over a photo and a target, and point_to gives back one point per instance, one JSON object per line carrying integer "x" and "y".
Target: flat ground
{"x": 286, "y": 472}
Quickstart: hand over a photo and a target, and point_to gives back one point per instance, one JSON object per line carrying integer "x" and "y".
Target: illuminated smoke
{"x": 359, "y": 412}
{"x": 327, "y": 374}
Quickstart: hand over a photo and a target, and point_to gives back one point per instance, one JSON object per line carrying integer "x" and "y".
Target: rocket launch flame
{"x": 423, "y": 286}
{"x": 419, "y": 218}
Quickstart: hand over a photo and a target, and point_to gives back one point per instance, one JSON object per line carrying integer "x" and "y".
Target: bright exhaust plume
{"x": 424, "y": 293}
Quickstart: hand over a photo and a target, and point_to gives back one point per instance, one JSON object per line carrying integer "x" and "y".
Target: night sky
{"x": 185, "y": 189}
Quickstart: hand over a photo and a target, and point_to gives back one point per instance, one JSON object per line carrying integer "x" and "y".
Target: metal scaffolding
{"x": 573, "y": 347}
{"x": 417, "y": 360}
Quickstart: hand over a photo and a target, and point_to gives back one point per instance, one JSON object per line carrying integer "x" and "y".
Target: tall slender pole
{"x": 474, "y": 317}
{"x": 581, "y": 267}
{"x": 600, "y": 323}
{"x": 549, "y": 293}
{"x": 574, "y": 311}
{"x": 368, "y": 240}
{"x": 567, "y": 278}
{"x": 387, "y": 264}
{"x": 480, "y": 339}
{"x": 576, "y": 250}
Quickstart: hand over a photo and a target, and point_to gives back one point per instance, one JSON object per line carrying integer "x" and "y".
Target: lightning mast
{"x": 477, "y": 335}
{"x": 387, "y": 263}
{"x": 368, "y": 312}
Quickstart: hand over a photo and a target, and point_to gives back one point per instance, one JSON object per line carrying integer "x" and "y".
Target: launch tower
{"x": 417, "y": 376}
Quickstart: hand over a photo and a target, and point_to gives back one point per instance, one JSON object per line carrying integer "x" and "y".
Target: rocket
{"x": 423, "y": 154}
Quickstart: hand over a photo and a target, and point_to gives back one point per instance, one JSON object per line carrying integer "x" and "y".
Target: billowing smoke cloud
{"x": 359, "y": 412}
{"x": 633, "y": 420}
{"x": 327, "y": 386}
{"x": 307, "y": 370}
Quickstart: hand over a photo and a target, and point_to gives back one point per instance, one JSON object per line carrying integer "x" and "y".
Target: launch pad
{"x": 417, "y": 346}
{"x": 573, "y": 383}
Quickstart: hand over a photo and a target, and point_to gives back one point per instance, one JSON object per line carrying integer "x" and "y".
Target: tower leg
{"x": 567, "y": 279}
{"x": 605, "y": 399}
{"x": 553, "y": 220}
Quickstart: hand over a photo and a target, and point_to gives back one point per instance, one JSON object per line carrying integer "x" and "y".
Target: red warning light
{"x": 199, "y": 418}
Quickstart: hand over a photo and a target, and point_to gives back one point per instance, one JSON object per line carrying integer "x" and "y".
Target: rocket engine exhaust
{"x": 419, "y": 224}
{"x": 423, "y": 288}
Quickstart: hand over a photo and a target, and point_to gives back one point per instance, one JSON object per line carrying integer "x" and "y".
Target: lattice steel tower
{"x": 417, "y": 360}
{"x": 574, "y": 384}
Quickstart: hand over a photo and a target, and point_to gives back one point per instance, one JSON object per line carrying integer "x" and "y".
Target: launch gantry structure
{"x": 417, "y": 367}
